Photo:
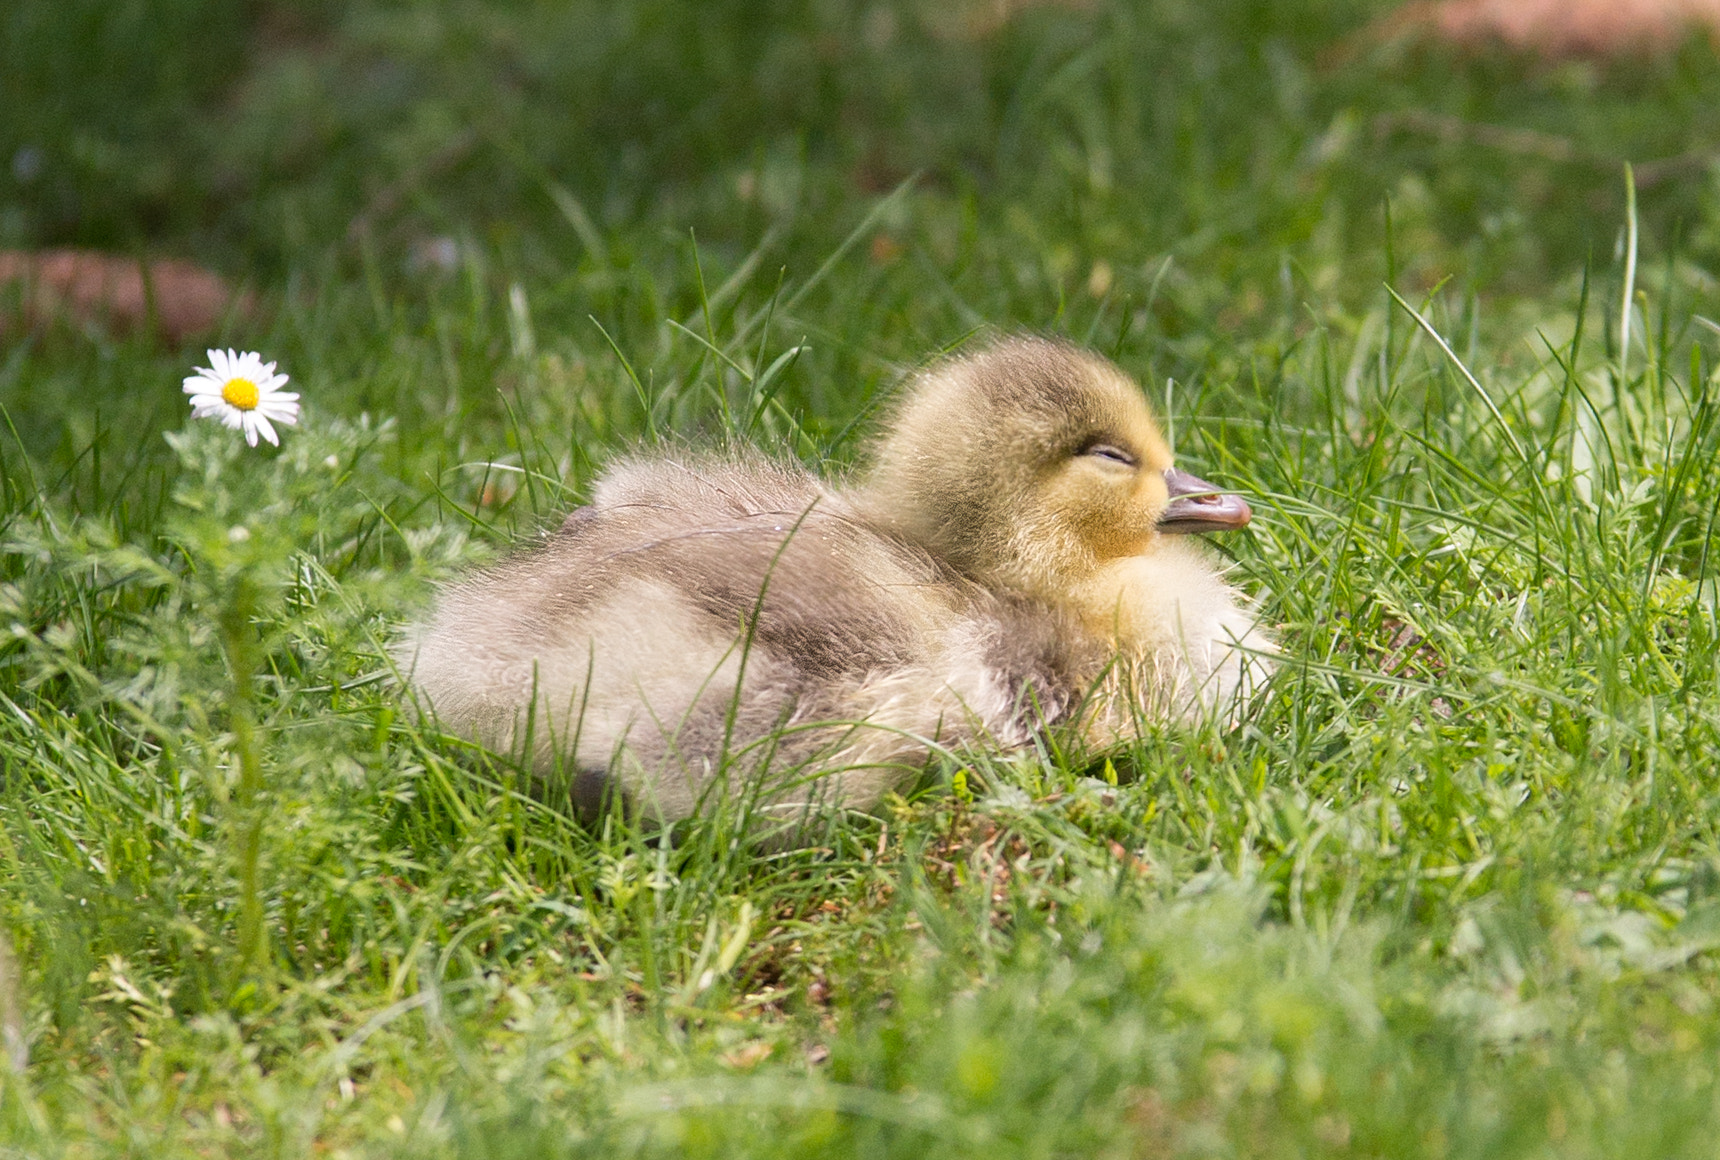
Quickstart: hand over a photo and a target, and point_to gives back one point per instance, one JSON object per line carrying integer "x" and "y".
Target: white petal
{"x": 289, "y": 418}
{"x": 261, "y": 423}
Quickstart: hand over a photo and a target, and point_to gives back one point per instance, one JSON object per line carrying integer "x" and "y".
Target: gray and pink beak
{"x": 1198, "y": 506}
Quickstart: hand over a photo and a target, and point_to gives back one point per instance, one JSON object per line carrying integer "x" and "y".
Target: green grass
{"x": 1453, "y": 889}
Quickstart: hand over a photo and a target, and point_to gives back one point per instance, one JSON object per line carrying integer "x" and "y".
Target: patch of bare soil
{"x": 179, "y": 301}
{"x": 1559, "y": 29}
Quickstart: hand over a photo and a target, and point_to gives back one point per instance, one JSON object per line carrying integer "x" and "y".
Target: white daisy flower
{"x": 243, "y": 392}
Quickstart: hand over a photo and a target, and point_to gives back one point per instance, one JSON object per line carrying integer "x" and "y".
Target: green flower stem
{"x": 240, "y": 646}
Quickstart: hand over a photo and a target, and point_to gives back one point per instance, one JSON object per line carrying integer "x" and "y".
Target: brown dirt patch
{"x": 177, "y": 300}
{"x": 1559, "y": 29}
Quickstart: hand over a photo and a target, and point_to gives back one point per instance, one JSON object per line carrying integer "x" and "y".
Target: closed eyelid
{"x": 1112, "y": 452}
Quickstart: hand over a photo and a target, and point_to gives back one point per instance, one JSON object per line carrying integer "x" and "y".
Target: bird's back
{"x": 708, "y": 616}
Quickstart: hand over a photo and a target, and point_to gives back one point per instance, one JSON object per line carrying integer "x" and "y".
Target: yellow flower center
{"x": 240, "y": 393}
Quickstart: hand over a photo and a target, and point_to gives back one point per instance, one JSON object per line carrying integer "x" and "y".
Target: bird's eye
{"x": 1111, "y": 454}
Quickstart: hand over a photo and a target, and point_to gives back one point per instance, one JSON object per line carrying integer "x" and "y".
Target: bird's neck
{"x": 1143, "y": 603}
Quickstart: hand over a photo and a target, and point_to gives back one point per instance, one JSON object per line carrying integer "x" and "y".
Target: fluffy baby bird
{"x": 1014, "y": 558}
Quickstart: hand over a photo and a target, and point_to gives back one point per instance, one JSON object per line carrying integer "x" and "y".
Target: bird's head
{"x": 1030, "y": 465}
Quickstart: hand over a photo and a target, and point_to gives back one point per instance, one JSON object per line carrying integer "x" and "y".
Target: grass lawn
{"x": 1452, "y": 889}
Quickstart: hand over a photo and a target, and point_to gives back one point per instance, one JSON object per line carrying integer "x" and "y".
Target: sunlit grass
{"x": 1451, "y": 888}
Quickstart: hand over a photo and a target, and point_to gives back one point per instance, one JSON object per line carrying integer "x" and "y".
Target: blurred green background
{"x": 255, "y": 136}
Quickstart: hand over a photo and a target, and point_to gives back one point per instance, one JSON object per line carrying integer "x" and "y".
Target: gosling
{"x": 710, "y": 627}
